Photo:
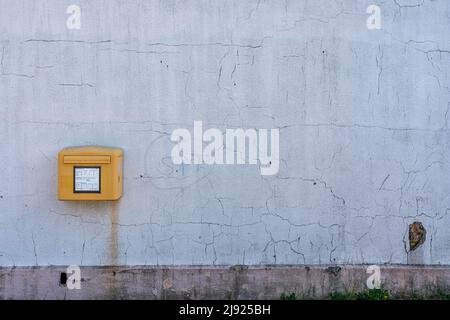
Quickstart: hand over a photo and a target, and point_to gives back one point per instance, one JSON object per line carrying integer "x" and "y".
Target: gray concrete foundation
{"x": 236, "y": 282}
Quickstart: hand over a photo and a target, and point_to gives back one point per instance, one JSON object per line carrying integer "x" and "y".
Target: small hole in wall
{"x": 63, "y": 278}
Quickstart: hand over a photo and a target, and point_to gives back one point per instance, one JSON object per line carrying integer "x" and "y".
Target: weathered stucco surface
{"x": 364, "y": 136}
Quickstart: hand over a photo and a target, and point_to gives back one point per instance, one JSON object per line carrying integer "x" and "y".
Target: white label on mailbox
{"x": 87, "y": 179}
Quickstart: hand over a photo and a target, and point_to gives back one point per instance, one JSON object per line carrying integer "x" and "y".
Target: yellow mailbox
{"x": 90, "y": 173}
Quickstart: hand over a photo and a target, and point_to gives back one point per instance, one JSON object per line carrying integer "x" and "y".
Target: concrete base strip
{"x": 206, "y": 282}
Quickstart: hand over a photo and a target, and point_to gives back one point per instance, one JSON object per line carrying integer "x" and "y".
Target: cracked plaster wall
{"x": 364, "y": 137}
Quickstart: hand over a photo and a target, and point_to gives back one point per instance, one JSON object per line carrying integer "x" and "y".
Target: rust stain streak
{"x": 114, "y": 241}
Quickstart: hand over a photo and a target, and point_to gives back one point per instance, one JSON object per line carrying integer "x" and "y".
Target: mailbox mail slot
{"x": 87, "y": 159}
{"x": 90, "y": 173}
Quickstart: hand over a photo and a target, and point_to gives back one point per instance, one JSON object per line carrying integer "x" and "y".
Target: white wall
{"x": 364, "y": 137}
